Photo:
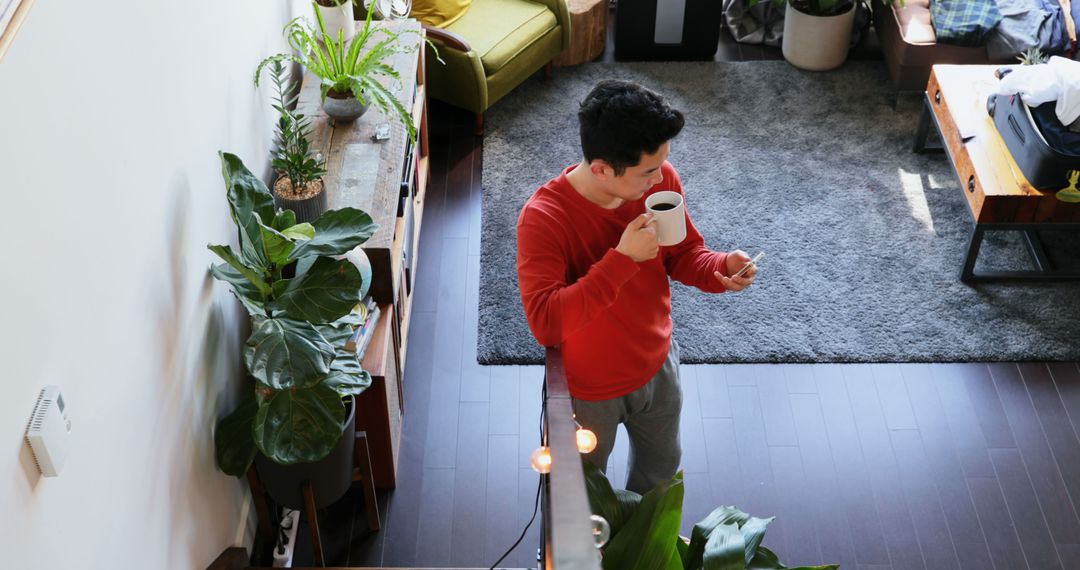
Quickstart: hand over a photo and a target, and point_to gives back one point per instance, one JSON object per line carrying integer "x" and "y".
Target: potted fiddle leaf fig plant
{"x": 645, "y": 531}
{"x": 349, "y": 72}
{"x": 817, "y": 33}
{"x": 297, "y": 424}
{"x": 299, "y": 186}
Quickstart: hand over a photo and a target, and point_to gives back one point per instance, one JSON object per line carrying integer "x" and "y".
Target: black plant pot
{"x": 330, "y": 477}
{"x": 306, "y": 210}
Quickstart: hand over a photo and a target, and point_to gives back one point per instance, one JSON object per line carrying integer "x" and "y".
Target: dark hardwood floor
{"x": 872, "y": 466}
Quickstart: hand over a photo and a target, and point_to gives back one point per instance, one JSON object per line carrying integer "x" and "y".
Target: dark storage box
{"x": 637, "y": 36}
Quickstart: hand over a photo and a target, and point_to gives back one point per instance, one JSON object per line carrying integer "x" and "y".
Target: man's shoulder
{"x": 547, "y": 199}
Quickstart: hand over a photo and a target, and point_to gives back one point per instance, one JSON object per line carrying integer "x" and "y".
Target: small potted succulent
{"x": 296, "y": 425}
{"x": 299, "y": 186}
{"x": 350, "y": 73}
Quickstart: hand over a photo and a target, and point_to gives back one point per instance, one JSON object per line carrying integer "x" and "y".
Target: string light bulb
{"x": 541, "y": 460}
{"x": 586, "y": 440}
{"x": 601, "y": 530}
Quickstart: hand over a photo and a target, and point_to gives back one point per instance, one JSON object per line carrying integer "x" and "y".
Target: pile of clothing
{"x": 1007, "y": 28}
{"x": 1052, "y": 90}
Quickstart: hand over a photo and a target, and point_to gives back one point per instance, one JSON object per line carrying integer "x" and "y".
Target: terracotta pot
{"x": 816, "y": 43}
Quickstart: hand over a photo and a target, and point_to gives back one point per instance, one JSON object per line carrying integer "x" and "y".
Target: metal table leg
{"x": 922, "y": 130}
{"x": 1044, "y": 268}
{"x": 967, "y": 274}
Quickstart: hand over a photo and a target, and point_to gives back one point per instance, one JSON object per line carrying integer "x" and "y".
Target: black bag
{"x": 1045, "y": 155}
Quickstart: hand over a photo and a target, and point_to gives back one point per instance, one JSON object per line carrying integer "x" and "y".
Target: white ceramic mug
{"x": 670, "y": 219}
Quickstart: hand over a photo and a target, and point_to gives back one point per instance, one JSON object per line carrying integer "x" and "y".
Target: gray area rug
{"x": 863, "y": 239}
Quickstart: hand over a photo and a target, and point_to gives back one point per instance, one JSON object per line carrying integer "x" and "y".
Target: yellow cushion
{"x": 498, "y": 30}
{"x": 439, "y": 13}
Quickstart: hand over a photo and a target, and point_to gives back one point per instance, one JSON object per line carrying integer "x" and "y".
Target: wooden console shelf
{"x": 387, "y": 179}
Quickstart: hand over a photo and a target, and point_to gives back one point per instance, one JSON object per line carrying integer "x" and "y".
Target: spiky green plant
{"x": 292, "y": 155}
{"x": 1033, "y": 56}
{"x": 343, "y": 69}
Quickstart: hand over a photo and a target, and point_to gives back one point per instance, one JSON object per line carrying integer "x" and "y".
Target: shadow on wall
{"x": 198, "y": 371}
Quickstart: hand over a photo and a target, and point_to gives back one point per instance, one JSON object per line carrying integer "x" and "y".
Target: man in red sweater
{"x": 595, "y": 281}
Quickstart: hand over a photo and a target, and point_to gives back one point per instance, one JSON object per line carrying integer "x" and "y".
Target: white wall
{"x": 111, "y": 116}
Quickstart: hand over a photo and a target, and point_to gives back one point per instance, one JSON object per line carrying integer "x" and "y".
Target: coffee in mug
{"x": 669, "y": 212}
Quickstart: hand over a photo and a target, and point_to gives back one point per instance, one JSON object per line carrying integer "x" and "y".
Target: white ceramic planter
{"x": 338, "y": 18}
{"x": 816, "y": 43}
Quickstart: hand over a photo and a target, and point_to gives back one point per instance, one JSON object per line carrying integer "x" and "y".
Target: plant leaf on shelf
{"x": 250, "y": 203}
{"x": 284, "y": 353}
{"x": 301, "y": 425}
{"x": 252, "y": 275}
{"x": 283, "y": 220}
{"x": 336, "y": 232}
{"x": 325, "y": 292}
{"x": 234, "y": 445}
{"x": 299, "y": 232}
{"x": 276, "y": 245}
{"x": 248, "y": 295}
{"x": 346, "y": 384}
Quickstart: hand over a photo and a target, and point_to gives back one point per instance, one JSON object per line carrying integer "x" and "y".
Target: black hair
{"x": 621, "y": 120}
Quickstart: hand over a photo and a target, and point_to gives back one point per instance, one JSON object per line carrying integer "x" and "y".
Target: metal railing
{"x": 567, "y": 531}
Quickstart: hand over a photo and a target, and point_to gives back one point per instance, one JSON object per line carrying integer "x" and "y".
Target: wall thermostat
{"x": 49, "y": 432}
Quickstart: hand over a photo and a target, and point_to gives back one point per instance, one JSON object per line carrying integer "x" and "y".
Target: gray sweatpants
{"x": 651, "y": 416}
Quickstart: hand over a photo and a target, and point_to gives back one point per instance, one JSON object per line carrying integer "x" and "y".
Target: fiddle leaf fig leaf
{"x": 284, "y": 353}
{"x": 338, "y": 231}
{"x": 276, "y": 245}
{"x": 284, "y": 219}
{"x": 324, "y": 292}
{"x": 234, "y": 446}
{"x": 253, "y": 276}
{"x": 302, "y": 425}
{"x": 250, "y": 202}
{"x": 248, "y": 295}
{"x": 347, "y": 384}
{"x": 297, "y": 232}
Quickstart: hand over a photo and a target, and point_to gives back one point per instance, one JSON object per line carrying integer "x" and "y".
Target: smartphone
{"x": 752, "y": 263}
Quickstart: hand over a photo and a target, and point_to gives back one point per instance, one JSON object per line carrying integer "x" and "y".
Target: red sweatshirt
{"x": 611, "y": 316}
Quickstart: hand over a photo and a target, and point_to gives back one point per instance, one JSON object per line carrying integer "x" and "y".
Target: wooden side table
{"x": 588, "y": 32}
{"x": 999, "y": 196}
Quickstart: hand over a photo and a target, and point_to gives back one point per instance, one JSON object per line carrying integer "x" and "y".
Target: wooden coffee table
{"x": 999, "y": 196}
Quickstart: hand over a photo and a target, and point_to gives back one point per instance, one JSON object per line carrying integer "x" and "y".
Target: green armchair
{"x": 492, "y": 48}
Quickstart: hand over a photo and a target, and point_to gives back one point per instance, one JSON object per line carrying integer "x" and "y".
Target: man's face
{"x": 636, "y": 180}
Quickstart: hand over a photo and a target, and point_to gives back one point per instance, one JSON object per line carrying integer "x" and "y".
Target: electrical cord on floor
{"x": 536, "y": 507}
{"x": 539, "y": 484}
